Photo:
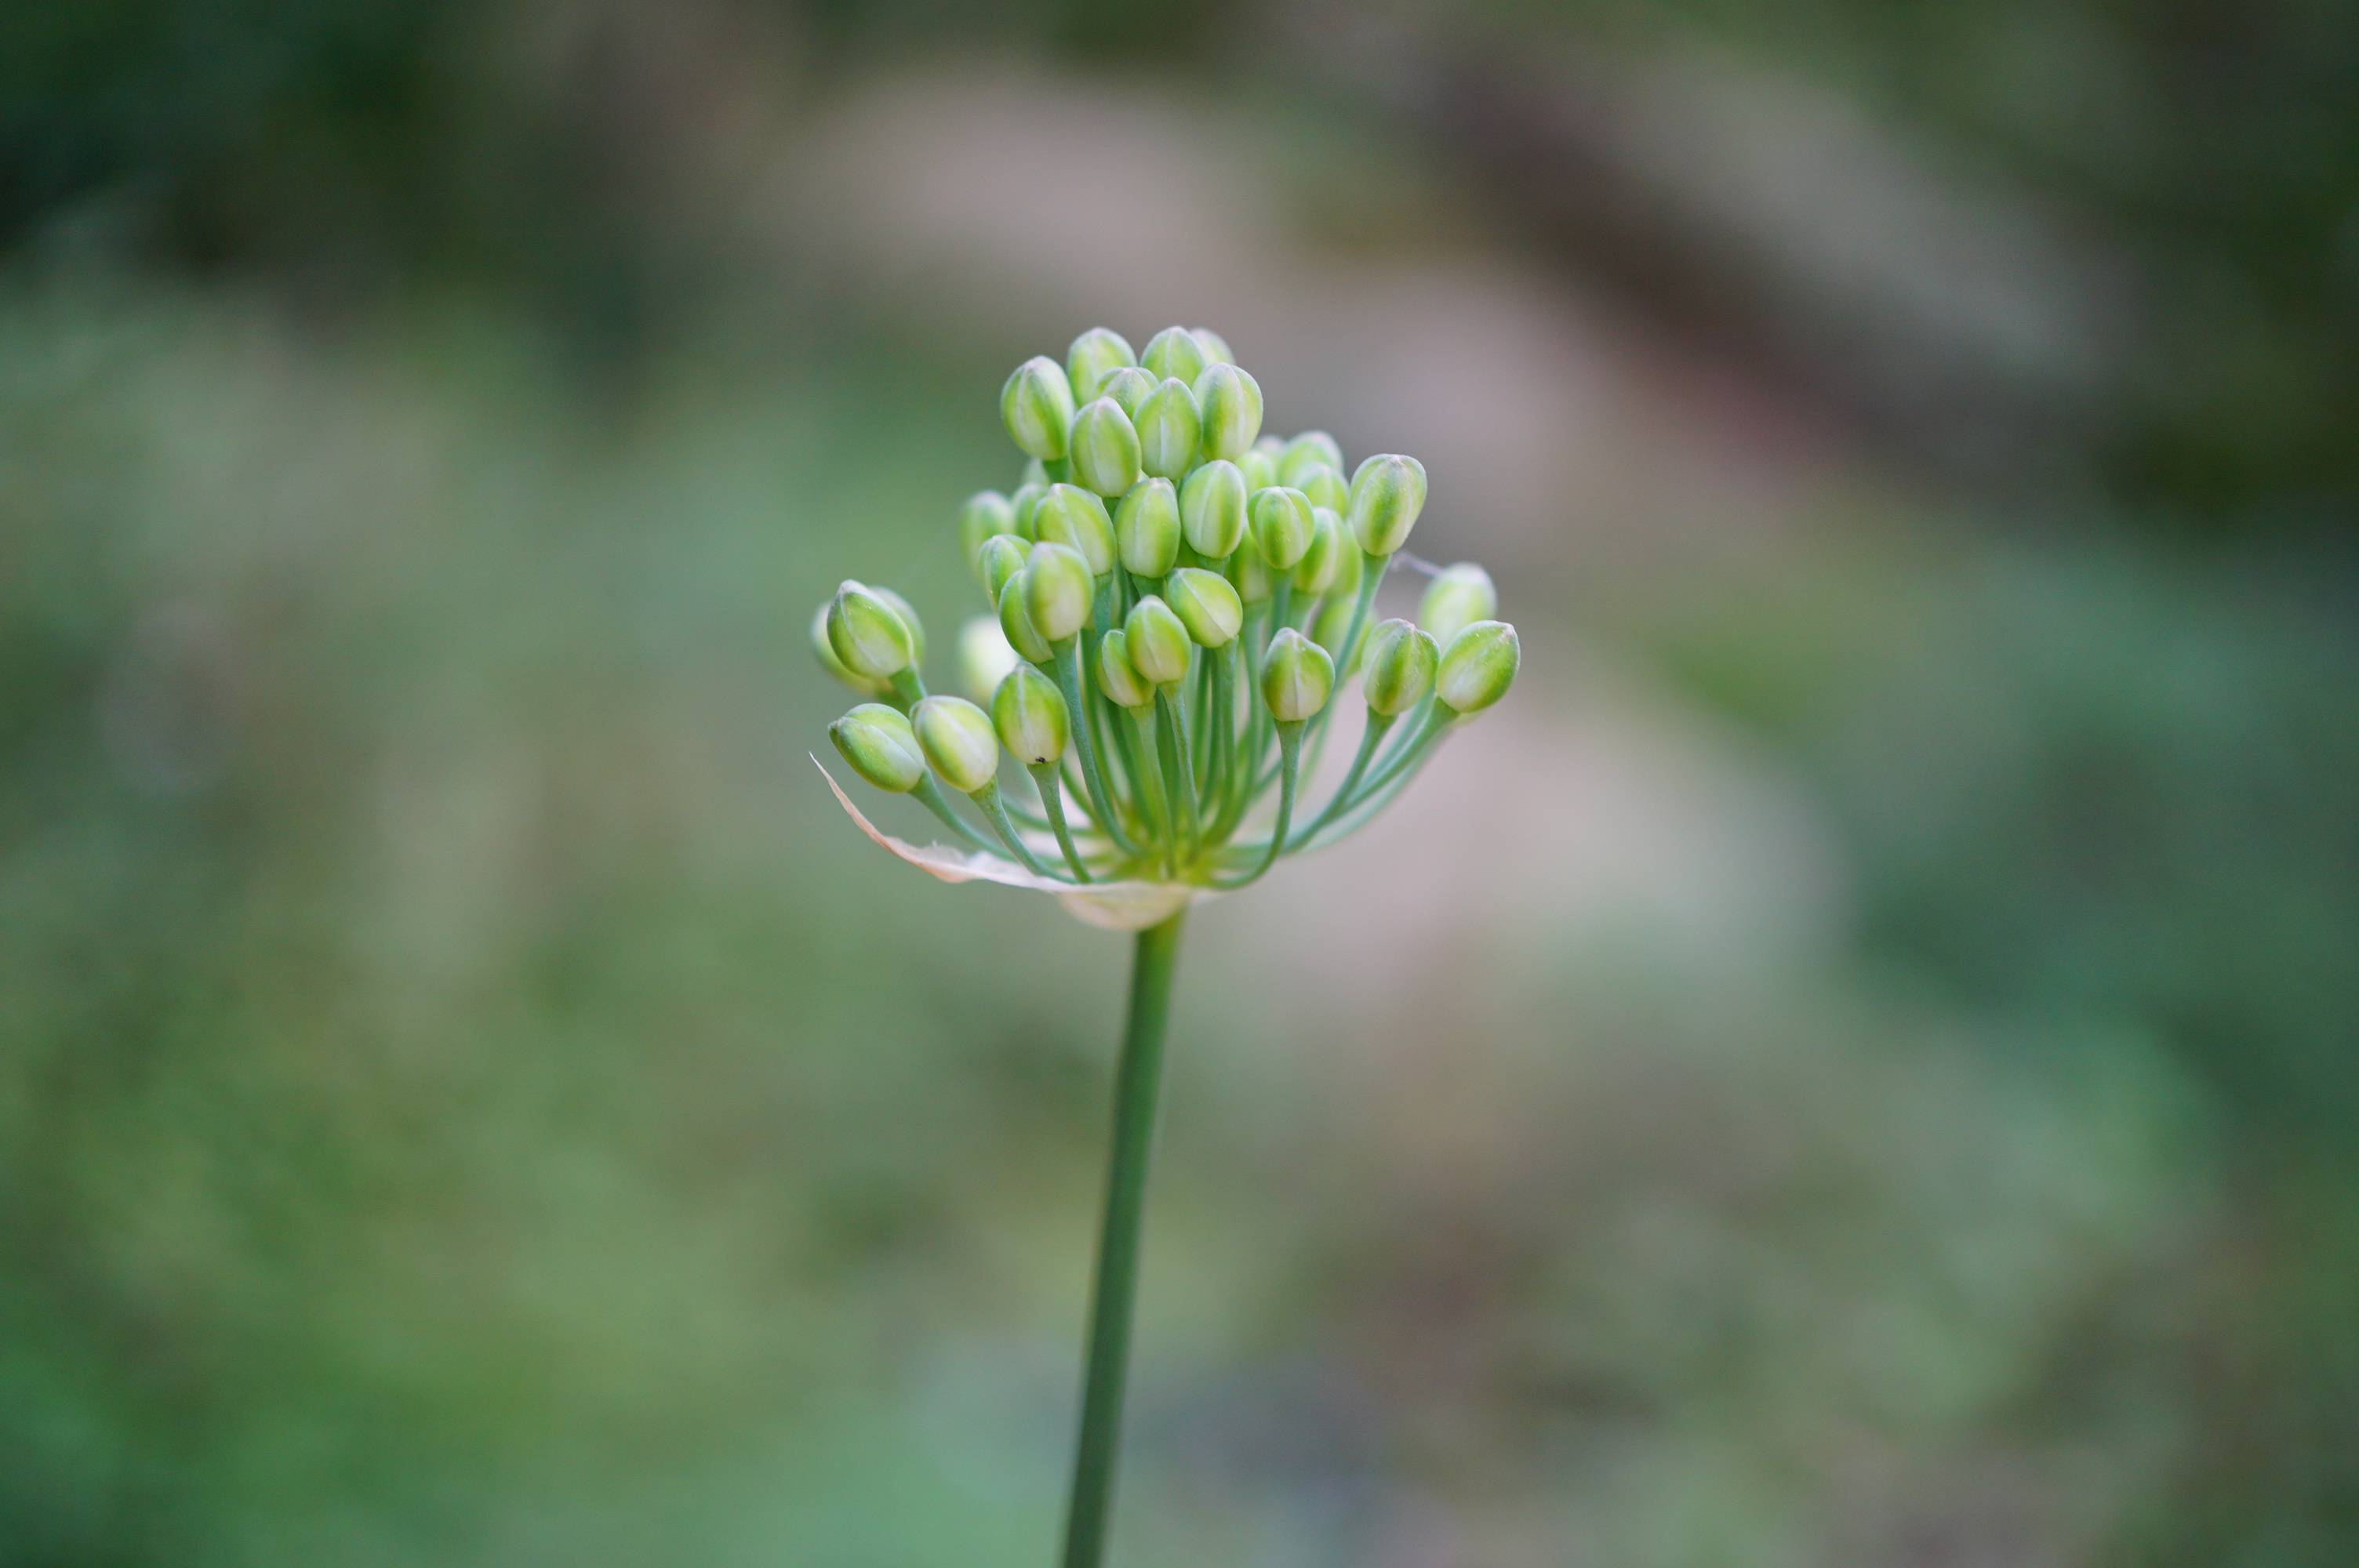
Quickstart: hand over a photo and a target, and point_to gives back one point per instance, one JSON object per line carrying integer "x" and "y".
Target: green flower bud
{"x": 1003, "y": 557}
{"x": 1016, "y": 624}
{"x": 1387, "y": 493}
{"x": 1478, "y": 666}
{"x": 1397, "y": 666}
{"x": 1324, "y": 485}
{"x": 1037, "y": 407}
{"x": 1130, "y": 388}
{"x": 1316, "y": 571}
{"x": 1249, "y": 575}
{"x": 868, "y": 634}
{"x": 1174, "y": 351}
{"x": 1349, "y": 563}
{"x": 984, "y": 516}
{"x": 1029, "y": 713}
{"x": 1035, "y": 473}
{"x": 1216, "y": 347}
{"x": 1205, "y": 604}
{"x": 1095, "y": 355}
{"x": 1117, "y": 677}
{"x": 1073, "y": 517}
{"x": 1147, "y": 528}
{"x": 1312, "y": 448}
{"x": 908, "y": 614}
{"x": 1281, "y": 525}
{"x": 1260, "y": 468}
{"x": 1057, "y": 592}
{"x": 1169, "y": 430}
{"x": 1296, "y": 677}
{"x": 1213, "y": 509}
{"x": 1024, "y": 507}
{"x": 985, "y": 656}
{"x": 956, "y": 737}
{"x": 834, "y": 665}
{"x": 1458, "y": 596}
{"x": 879, "y": 745}
{"x": 1158, "y": 641}
{"x": 1229, "y": 401}
{"x": 1105, "y": 448}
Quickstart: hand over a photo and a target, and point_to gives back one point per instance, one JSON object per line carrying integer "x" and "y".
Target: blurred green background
{"x": 1852, "y": 1064}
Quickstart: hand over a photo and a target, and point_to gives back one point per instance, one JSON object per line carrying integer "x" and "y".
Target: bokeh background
{"x": 1852, "y": 1064}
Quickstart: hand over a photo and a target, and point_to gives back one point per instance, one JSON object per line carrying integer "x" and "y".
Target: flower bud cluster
{"x": 1173, "y": 600}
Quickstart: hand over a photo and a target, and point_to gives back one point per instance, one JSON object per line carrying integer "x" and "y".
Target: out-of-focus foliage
{"x": 466, "y": 1097}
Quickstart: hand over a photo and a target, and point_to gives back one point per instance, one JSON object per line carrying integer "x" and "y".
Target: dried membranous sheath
{"x": 1174, "y": 602}
{"x": 1173, "y": 606}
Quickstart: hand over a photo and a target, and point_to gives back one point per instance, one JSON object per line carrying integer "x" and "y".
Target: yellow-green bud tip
{"x": 1397, "y": 666}
{"x": 1119, "y": 678}
{"x": 1174, "y": 351}
{"x": 1478, "y": 666}
{"x": 1386, "y": 494}
{"x": 868, "y": 634}
{"x": 1095, "y": 355}
{"x": 1458, "y": 596}
{"x": 1169, "y": 430}
{"x": 1158, "y": 641}
{"x": 1105, "y": 448}
{"x": 1282, "y": 526}
{"x": 1037, "y": 407}
{"x": 1213, "y": 509}
{"x": 1072, "y": 516}
{"x": 1296, "y": 677}
{"x": 1228, "y": 404}
{"x": 1029, "y": 714}
{"x": 1206, "y": 604}
{"x": 1147, "y": 528}
{"x": 1058, "y": 590}
{"x": 957, "y": 738}
{"x": 879, "y": 745}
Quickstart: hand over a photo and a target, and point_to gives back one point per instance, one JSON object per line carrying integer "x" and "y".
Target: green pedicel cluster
{"x": 1179, "y": 597}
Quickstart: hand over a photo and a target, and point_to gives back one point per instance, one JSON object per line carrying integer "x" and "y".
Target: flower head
{"x": 1178, "y": 596}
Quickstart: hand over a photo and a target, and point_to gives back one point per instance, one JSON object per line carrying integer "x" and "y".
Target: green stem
{"x": 1289, "y": 768}
{"x": 987, "y": 797}
{"x": 1378, "y": 723}
{"x": 1115, "y": 1291}
{"x": 1179, "y": 768}
{"x": 1052, "y": 797}
{"x": 929, "y": 795}
{"x": 1077, "y": 697}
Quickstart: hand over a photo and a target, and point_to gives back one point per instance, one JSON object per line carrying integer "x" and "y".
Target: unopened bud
{"x": 1147, "y": 528}
{"x": 1058, "y": 590}
{"x": 1322, "y": 485}
{"x": 1095, "y": 355}
{"x": 1169, "y": 430}
{"x": 1003, "y": 557}
{"x": 1129, "y": 388}
{"x": 1387, "y": 493}
{"x": 984, "y": 516}
{"x": 1076, "y": 518}
{"x": 1117, "y": 677}
{"x": 1158, "y": 641}
{"x": 880, "y": 746}
{"x": 1260, "y": 462}
{"x": 833, "y": 665}
{"x": 1316, "y": 571}
{"x": 956, "y": 738}
{"x": 1037, "y": 407}
{"x": 868, "y": 634}
{"x": 908, "y": 614}
{"x": 1478, "y": 666}
{"x": 1024, "y": 507}
{"x": 1205, "y": 604}
{"x": 1216, "y": 347}
{"x": 1397, "y": 666}
{"x": 1213, "y": 509}
{"x": 1311, "y": 448}
{"x": 1281, "y": 525}
{"x": 1016, "y": 624}
{"x": 1229, "y": 402}
{"x": 1105, "y": 448}
{"x": 1031, "y": 715}
{"x": 1458, "y": 596}
{"x": 1296, "y": 677}
{"x": 985, "y": 656}
{"x": 1174, "y": 351}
